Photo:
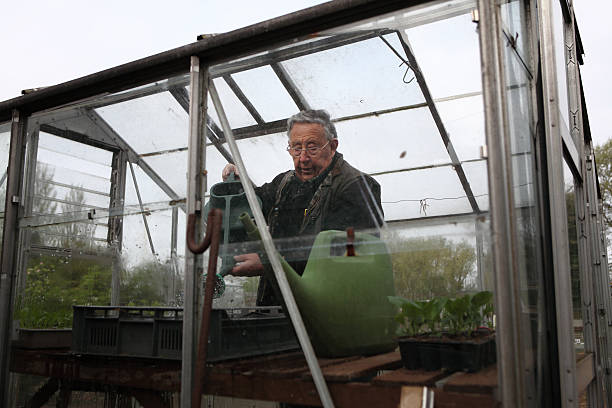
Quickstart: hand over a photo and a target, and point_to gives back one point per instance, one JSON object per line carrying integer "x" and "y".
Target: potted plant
{"x": 454, "y": 334}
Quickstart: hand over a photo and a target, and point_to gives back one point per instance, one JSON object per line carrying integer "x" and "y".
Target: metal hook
{"x": 214, "y": 221}
{"x": 409, "y": 68}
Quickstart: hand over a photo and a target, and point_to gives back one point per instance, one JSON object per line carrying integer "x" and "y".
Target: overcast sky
{"x": 48, "y": 42}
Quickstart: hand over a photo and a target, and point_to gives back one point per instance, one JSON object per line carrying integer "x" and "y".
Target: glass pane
{"x": 259, "y": 82}
{"x": 513, "y": 25}
{"x": 237, "y": 114}
{"x": 560, "y": 64}
{"x": 520, "y": 115}
{"x": 347, "y": 68}
{"x": 95, "y": 234}
{"x": 5, "y": 140}
{"x": 132, "y": 121}
{"x": 418, "y": 204}
{"x": 457, "y": 71}
{"x": 572, "y": 232}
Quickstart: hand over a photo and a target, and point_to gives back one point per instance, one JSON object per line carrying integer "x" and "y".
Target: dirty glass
{"x": 572, "y": 235}
{"x": 5, "y": 140}
{"x": 104, "y": 225}
{"x": 558, "y": 24}
{"x": 518, "y": 84}
{"x": 404, "y": 95}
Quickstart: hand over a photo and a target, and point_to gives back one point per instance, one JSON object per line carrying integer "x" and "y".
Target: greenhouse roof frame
{"x": 212, "y": 49}
{"x": 110, "y": 139}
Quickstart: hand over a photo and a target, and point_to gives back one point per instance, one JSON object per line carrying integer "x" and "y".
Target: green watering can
{"x": 343, "y": 299}
{"x": 229, "y": 197}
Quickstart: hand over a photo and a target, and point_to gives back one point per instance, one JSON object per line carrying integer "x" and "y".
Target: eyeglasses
{"x": 310, "y": 150}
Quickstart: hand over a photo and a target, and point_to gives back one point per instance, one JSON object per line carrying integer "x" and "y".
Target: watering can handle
{"x": 350, "y": 241}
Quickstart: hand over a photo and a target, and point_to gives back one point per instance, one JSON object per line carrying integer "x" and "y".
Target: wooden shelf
{"x": 353, "y": 381}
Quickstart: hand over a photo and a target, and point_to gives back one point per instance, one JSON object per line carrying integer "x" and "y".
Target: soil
{"x": 479, "y": 336}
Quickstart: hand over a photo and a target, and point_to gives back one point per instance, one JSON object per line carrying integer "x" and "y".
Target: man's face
{"x": 305, "y": 135}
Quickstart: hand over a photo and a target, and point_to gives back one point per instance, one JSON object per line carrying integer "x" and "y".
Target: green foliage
{"x": 603, "y": 158}
{"x": 410, "y": 316}
{"x": 146, "y": 284}
{"x": 54, "y": 284}
{"x": 457, "y": 316}
{"x": 431, "y": 267}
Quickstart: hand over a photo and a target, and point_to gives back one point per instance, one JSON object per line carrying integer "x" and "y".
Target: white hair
{"x": 318, "y": 116}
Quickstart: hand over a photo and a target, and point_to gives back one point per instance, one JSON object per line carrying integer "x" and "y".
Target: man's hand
{"x": 247, "y": 265}
{"x": 229, "y": 169}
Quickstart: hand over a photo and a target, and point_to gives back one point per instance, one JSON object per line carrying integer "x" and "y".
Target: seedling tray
{"x": 158, "y": 332}
{"x": 429, "y": 353}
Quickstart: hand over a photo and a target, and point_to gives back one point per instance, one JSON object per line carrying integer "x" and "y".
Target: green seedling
{"x": 410, "y": 317}
{"x": 461, "y": 315}
{"x": 456, "y": 314}
{"x": 432, "y": 310}
{"x": 481, "y": 305}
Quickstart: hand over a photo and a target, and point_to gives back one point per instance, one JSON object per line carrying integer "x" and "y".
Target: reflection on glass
{"x": 531, "y": 281}
{"x": 90, "y": 224}
{"x": 572, "y": 232}
{"x": 418, "y": 203}
{"x": 5, "y": 138}
{"x": 513, "y": 19}
{"x": 416, "y": 196}
{"x": 560, "y": 63}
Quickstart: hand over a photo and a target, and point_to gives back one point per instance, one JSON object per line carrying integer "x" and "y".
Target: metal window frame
{"x": 558, "y": 213}
{"x": 231, "y": 45}
{"x": 196, "y": 186}
{"x": 503, "y": 234}
{"x": 13, "y": 208}
{"x": 587, "y": 235}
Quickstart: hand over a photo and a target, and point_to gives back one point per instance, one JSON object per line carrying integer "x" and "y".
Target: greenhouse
{"x": 468, "y": 126}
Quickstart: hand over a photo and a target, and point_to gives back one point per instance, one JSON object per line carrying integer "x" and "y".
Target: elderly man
{"x": 323, "y": 192}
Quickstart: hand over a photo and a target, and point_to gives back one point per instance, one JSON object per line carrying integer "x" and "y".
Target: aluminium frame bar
{"x": 77, "y": 137}
{"x": 503, "y": 232}
{"x": 173, "y": 257}
{"x": 196, "y": 187}
{"x": 296, "y": 51}
{"x": 223, "y": 69}
{"x": 39, "y": 220}
{"x": 585, "y": 237}
{"x": 114, "y": 235}
{"x": 214, "y": 50}
{"x": 144, "y": 215}
{"x": 558, "y": 212}
{"x": 133, "y": 157}
{"x": 182, "y": 97}
{"x": 273, "y": 257}
{"x": 24, "y": 236}
{"x": 280, "y": 126}
{"x": 599, "y": 270}
{"x": 293, "y": 90}
{"x": 77, "y": 188}
{"x": 243, "y": 98}
{"x": 12, "y": 207}
{"x": 215, "y": 135}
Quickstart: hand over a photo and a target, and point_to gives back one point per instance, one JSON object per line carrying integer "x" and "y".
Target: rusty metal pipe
{"x": 213, "y": 237}
{"x": 191, "y": 244}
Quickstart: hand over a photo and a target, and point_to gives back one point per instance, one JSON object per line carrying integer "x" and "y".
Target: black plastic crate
{"x": 157, "y": 332}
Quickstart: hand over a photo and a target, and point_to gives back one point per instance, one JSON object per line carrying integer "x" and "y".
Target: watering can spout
{"x": 294, "y": 279}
